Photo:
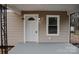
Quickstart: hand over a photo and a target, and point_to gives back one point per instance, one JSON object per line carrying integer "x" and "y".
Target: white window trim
{"x": 58, "y": 24}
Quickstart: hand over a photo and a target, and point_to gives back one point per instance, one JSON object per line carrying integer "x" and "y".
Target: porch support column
{"x": 3, "y": 27}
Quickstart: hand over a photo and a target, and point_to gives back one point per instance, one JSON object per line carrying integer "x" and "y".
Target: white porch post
{"x": 24, "y": 31}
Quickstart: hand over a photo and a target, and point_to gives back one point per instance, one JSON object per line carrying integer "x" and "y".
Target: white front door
{"x": 31, "y": 28}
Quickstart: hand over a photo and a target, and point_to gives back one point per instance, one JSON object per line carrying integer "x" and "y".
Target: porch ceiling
{"x": 46, "y": 7}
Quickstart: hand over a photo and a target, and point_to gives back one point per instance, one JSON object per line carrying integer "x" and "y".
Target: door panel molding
{"x": 32, "y": 15}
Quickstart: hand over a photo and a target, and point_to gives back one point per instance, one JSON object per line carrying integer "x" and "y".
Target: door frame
{"x": 25, "y": 26}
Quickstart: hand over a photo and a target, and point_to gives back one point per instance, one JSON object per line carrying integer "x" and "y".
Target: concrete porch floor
{"x": 44, "y": 48}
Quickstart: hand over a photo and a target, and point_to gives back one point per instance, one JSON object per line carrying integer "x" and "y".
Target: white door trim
{"x": 25, "y": 26}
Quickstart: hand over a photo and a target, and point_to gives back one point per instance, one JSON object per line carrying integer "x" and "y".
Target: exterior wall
{"x": 63, "y": 31}
{"x": 64, "y": 26}
{"x": 15, "y": 28}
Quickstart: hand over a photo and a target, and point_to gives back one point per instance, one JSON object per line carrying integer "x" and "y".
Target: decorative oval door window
{"x": 31, "y": 19}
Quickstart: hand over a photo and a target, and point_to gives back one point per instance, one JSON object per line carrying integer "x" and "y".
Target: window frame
{"x": 47, "y": 25}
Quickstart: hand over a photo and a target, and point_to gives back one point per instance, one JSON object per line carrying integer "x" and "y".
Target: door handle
{"x": 35, "y": 31}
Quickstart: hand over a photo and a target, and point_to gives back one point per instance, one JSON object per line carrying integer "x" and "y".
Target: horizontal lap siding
{"x": 15, "y": 28}
{"x": 64, "y": 26}
{"x": 63, "y": 32}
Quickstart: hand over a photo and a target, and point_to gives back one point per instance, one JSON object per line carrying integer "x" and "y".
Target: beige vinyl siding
{"x": 63, "y": 31}
{"x": 64, "y": 26}
{"x": 15, "y": 28}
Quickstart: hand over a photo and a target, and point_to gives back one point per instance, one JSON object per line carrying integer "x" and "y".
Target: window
{"x": 31, "y": 19}
{"x": 52, "y": 24}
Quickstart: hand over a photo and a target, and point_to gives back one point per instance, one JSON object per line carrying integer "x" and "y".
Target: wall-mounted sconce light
{"x": 39, "y": 19}
{"x": 22, "y": 18}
